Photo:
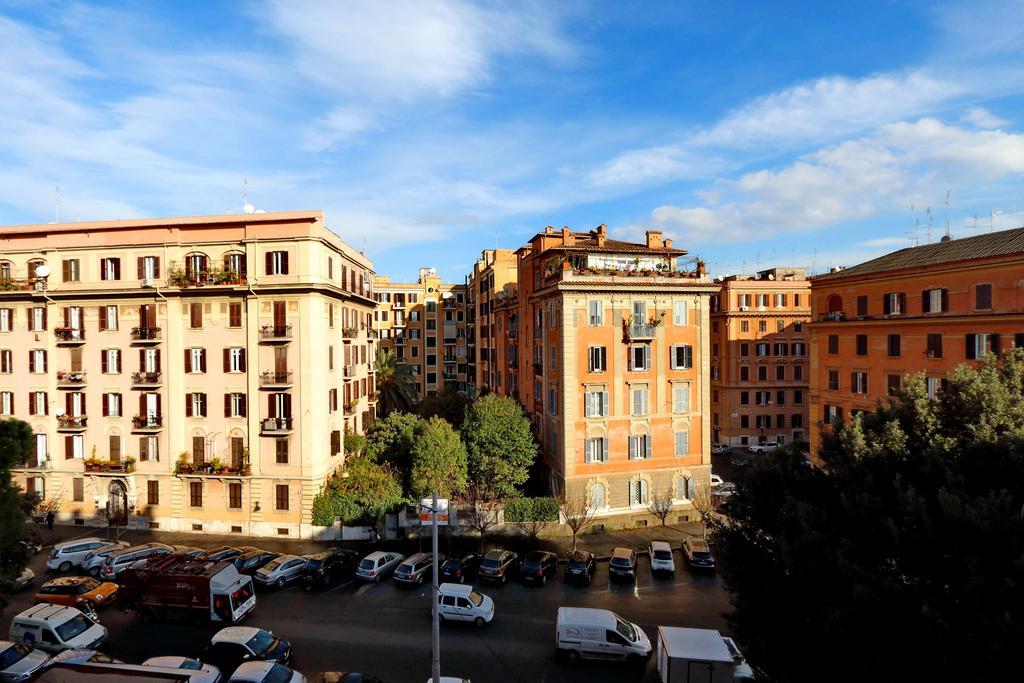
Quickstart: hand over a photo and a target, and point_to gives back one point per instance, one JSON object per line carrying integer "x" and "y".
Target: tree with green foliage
{"x": 389, "y": 440}
{"x": 447, "y": 404}
{"x": 363, "y": 492}
{"x": 354, "y": 444}
{"x": 532, "y": 515}
{"x": 396, "y": 384}
{"x": 500, "y": 444}
{"x": 908, "y": 540}
{"x": 17, "y": 442}
{"x": 438, "y": 461}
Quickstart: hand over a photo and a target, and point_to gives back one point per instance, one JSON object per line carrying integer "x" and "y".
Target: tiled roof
{"x": 587, "y": 241}
{"x": 1002, "y": 243}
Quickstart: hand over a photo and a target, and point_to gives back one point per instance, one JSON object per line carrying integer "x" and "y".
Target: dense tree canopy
{"x": 365, "y": 492}
{"x": 499, "y": 443}
{"x": 16, "y": 444}
{"x": 390, "y": 439}
{"x": 395, "y": 383}
{"x": 447, "y": 403}
{"x": 903, "y": 557}
{"x": 438, "y": 461}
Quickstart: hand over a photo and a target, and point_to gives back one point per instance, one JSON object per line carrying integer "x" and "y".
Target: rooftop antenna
{"x": 975, "y": 222}
{"x": 929, "y": 212}
{"x": 56, "y": 204}
{"x": 947, "y": 213}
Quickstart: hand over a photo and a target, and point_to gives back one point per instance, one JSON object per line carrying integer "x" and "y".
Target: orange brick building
{"x": 759, "y": 346}
{"x": 921, "y": 309}
{"x": 613, "y": 367}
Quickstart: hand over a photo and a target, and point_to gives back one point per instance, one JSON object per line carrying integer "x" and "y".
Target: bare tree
{"x": 482, "y": 510}
{"x": 706, "y": 504}
{"x": 661, "y": 505}
{"x": 578, "y": 514}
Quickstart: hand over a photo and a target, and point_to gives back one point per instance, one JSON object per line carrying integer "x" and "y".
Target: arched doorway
{"x": 117, "y": 503}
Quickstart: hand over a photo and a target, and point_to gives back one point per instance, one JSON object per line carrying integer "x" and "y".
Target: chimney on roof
{"x": 653, "y": 239}
{"x": 602, "y": 234}
{"x": 667, "y": 244}
{"x": 549, "y": 230}
{"x": 567, "y": 237}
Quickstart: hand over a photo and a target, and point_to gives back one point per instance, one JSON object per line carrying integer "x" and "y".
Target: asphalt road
{"x": 385, "y": 630}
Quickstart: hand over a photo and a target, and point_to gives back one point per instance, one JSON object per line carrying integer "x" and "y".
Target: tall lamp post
{"x": 435, "y": 627}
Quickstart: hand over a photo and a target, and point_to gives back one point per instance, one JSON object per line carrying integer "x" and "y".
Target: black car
{"x": 622, "y": 566}
{"x": 232, "y": 646}
{"x": 249, "y": 562}
{"x": 498, "y": 565}
{"x": 581, "y": 568}
{"x": 460, "y": 568}
{"x": 537, "y": 567}
{"x": 323, "y": 569}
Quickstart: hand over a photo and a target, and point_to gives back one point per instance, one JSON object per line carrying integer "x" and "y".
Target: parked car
{"x": 498, "y": 565}
{"x": 188, "y": 550}
{"x": 186, "y": 663}
{"x": 325, "y": 568}
{"x": 72, "y": 590}
{"x": 720, "y": 449}
{"x": 716, "y": 480}
{"x": 83, "y": 656}
{"x": 724, "y": 491}
{"x": 280, "y": 571}
{"x": 232, "y": 646}
{"x": 581, "y": 567}
{"x": 119, "y": 560}
{"x": 249, "y": 563}
{"x": 622, "y": 565}
{"x": 93, "y": 562}
{"x": 265, "y": 672}
{"x": 537, "y": 567}
{"x": 661, "y": 558}
{"x": 68, "y": 555}
{"x": 224, "y": 552}
{"x": 378, "y": 564}
{"x": 19, "y": 662}
{"x": 461, "y": 568}
{"x": 23, "y": 580}
{"x": 584, "y": 632}
{"x": 459, "y": 602}
{"x": 414, "y": 570}
{"x": 766, "y": 447}
{"x": 697, "y": 554}
{"x": 55, "y": 628}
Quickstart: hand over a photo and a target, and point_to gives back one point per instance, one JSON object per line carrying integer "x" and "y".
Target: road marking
{"x": 363, "y": 589}
{"x": 342, "y": 585}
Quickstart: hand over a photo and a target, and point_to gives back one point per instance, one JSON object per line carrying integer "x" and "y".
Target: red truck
{"x": 177, "y": 586}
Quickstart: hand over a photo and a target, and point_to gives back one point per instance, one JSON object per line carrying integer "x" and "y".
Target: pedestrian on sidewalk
{"x": 49, "y": 519}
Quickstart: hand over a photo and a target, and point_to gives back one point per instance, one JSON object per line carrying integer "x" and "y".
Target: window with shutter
{"x": 235, "y": 496}
{"x": 640, "y": 401}
{"x": 153, "y": 492}
{"x": 679, "y": 313}
{"x": 681, "y": 399}
{"x": 281, "y": 451}
{"x": 682, "y": 443}
{"x": 597, "y": 496}
{"x": 595, "y": 311}
{"x": 983, "y": 297}
{"x": 195, "y": 311}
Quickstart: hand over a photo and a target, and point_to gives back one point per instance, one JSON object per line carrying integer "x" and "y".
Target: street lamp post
{"x": 435, "y": 669}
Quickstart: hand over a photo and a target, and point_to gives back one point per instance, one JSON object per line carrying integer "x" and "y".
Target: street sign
{"x": 426, "y": 516}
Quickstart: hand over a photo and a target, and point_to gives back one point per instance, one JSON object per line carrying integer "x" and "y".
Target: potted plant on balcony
{"x": 183, "y": 466}
{"x": 216, "y": 466}
{"x": 349, "y": 332}
{"x": 129, "y": 464}
{"x": 93, "y": 464}
{"x": 177, "y": 278}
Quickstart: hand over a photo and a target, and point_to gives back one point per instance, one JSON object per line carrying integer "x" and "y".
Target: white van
{"x": 459, "y": 602}
{"x": 65, "y": 556}
{"x": 55, "y": 628}
{"x": 583, "y": 632}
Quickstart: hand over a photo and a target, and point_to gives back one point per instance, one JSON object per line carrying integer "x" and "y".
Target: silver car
{"x": 93, "y": 562}
{"x": 377, "y": 565}
{"x": 415, "y": 569}
{"x": 19, "y": 662}
{"x": 119, "y": 560}
{"x": 281, "y": 570}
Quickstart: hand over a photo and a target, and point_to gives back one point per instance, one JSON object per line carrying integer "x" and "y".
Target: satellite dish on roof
{"x": 260, "y": 211}
{"x": 249, "y": 208}
{"x": 42, "y": 270}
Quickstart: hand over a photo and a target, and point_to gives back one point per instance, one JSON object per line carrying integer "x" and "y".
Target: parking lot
{"x": 384, "y": 629}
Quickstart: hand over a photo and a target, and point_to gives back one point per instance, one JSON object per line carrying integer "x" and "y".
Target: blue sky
{"x": 753, "y": 133}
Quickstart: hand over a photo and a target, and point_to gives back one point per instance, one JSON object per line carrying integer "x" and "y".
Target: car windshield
{"x": 12, "y": 655}
{"x": 475, "y": 598}
{"x": 662, "y": 555}
{"x": 702, "y": 554}
{"x": 367, "y": 564}
{"x": 314, "y": 564}
{"x": 191, "y": 665}
{"x": 73, "y": 627}
{"x": 490, "y": 563}
{"x": 262, "y": 642}
{"x": 621, "y": 561}
{"x": 273, "y": 564}
{"x": 278, "y": 674}
{"x": 626, "y": 629}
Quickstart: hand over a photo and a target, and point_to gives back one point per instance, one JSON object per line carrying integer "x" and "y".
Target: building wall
{"x": 495, "y": 269}
{"x": 836, "y": 313}
{"x": 323, "y": 274}
{"x": 735, "y": 335}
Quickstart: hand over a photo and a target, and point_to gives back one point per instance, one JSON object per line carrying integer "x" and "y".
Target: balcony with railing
{"x": 348, "y": 371}
{"x": 832, "y": 317}
{"x": 350, "y": 407}
{"x": 147, "y": 423}
{"x": 640, "y": 331}
{"x": 276, "y": 425}
{"x": 236, "y": 466}
{"x": 145, "y": 335}
{"x": 98, "y": 466}
{"x": 275, "y": 333}
{"x": 71, "y": 423}
{"x": 211, "y": 277}
{"x": 275, "y": 380}
{"x": 22, "y": 284}
{"x": 69, "y": 335}
{"x": 349, "y": 333}
{"x": 70, "y": 380}
{"x": 39, "y": 462}
{"x": 145, "y": 380}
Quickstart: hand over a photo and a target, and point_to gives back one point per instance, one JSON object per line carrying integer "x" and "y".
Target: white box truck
{"x": 694, "y": 655}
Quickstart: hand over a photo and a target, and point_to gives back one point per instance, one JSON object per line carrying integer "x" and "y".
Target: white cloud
{"x": 983, "y": 118}
{"x": 341, "y": 125}
{"x": 407, "y": 48}
{"x": 894, "y": 167}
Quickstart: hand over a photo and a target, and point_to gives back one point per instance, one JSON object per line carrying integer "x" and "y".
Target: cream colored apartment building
{"x": 201, "y": 370}
{"x": 425, "y": 323}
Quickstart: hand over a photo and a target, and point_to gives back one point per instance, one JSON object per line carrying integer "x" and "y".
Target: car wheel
{"x": 543, "y": 579}
{"x": 479, "y": 621}
{"x": 573, "y": 656}
{"x": 419, "y": 580}
{"x": 279, "y": 584}
{"x": 64, "y": 567}
{"x": 94, "y": 572}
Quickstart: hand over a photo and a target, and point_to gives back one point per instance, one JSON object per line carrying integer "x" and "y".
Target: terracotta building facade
{"x": 612, "y": 363}
{"x": 201, "y": 371}
{"x": 924, "y": 309}
{"x": 759, "y": 358}
{"x": 495, "y": 269}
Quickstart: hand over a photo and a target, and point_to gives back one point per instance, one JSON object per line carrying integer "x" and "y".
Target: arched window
{"x": 834, "y": 303}
{"x": 638, "y": 492}
{"x": 196, "y": 265}
{"x": 235, "y": 266}
{"x": 597, "y": 500}
{"x": 6, "y": 270}
{"x": 684, "y": 487}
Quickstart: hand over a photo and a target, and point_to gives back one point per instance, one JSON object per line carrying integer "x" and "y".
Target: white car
{"x": 205, "y": 673}
{"x": 725, "y": 490}
{"x": 68, "y": 555}
{"x": 265, "y": 672}
{"x": 377, "y": 565}
{"x": 766, "y": 447}
{"x": 56, "y": 628}
{"x": 281, "y": 570}
{"x": 459, "y": 602}
{"x": 716, "y": 481}
{"x": 24, "y": 579}
{"x": 660, "y": 553}
{"x": 19, "y": 662}
{"x": 83, "y": 656}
